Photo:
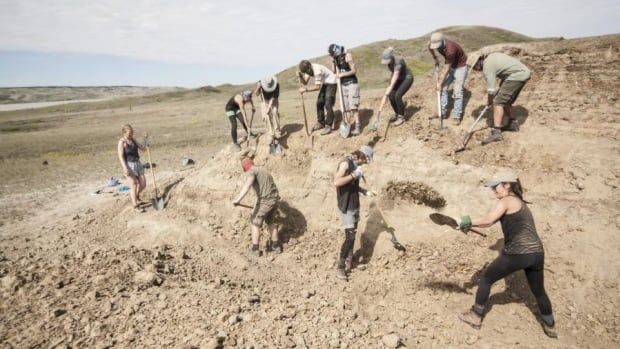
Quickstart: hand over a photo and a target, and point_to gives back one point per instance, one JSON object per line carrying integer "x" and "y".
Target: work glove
{"x": 370, "y": 193}
{"x": 358, "y": 173}
{"x": 463, "y": 224}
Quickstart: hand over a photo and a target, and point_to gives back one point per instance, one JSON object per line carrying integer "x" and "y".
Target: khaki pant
{"x": 271, "y": 119}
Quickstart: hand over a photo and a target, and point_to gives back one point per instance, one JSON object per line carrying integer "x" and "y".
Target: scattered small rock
{"x": 391, "y": 340}
{"x": 147, "y": 278}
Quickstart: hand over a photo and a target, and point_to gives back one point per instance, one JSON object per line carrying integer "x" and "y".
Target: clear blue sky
{"x": 199, "y": 42}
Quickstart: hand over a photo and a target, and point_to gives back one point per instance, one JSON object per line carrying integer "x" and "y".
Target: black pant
{"x": 325, "y": 102}
{"x": 396, "y": 96}
{"x": 233, "y": 126}
{"x": 506, "y": 264}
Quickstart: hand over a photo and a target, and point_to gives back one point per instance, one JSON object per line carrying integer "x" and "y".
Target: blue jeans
{"x": 457, "y": 76}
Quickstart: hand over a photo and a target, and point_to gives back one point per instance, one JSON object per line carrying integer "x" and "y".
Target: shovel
{"x": 244, "y": 206}
{"x": 274, "y": 146}
{"x": 469, "y": 133}
{"x": 345, "y": 126}
{"x": 247, "y": 144}
{"x": 438, "y": 98}
{"x": 310, "y": 137}
{"x": 377, "y": 122}
{"x": 442, "y": 219}
{"x": 397, "y": 245}
{"x": 157, "y": 202}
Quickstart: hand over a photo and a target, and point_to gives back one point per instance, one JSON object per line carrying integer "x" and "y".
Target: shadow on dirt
{"x": 287, "y": 130}
{"x": 293, "y": 222}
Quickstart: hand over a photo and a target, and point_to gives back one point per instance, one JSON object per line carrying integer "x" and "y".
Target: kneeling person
{"x": 266, "y": 204}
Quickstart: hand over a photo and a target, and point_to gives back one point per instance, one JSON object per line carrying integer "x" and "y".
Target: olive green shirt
{"x": 502, "y": 66}
{"x": 263, "y": 185}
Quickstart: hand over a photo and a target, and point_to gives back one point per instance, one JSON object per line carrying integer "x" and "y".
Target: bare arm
{"x": 353, "y": 71}
{"x": 241, "y": 104}
{"x": 245, "y": 189}
{"x": 140, "y": 146}
{"x": 302, "y": 80}
{"x": 433, "y": 54}
{"x": 121, "y": 156}
{"x": 258, "y": 88}
{"x": 341, "y": 178}
{"x": 496, "y": 213}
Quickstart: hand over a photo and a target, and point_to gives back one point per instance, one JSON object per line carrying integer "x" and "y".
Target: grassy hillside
{"x": 415, "y": 52}
{"x": 10, "y": 95}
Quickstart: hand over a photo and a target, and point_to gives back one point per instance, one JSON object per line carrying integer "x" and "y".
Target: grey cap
{"x": 368, "y": 152}
{"x": 387, "y": 56}
{"x": 436, "y": 40}
{"x": 503, "y": 176}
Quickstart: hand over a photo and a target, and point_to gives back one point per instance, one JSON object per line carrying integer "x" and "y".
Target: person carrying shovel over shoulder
{"x": 269, "y": 90}
{"x": 347, "y": 183}
{"x": 454, "y": 70}
{"x": 324, "y": 82}
{"x": 235, "y": 110}
{"x": 522, "y": 250}
{"x": 513, "y": 75}
{"x": 400, "y": 83}
{"x": 344, "y": 67}
{"x": 266, "y": 207}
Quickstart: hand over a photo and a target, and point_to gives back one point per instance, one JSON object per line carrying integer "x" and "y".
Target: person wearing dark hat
{"x": 343, "y": 60}
{"x": 324, "y": 82}
{"x": 235, "y": 110}
{"x": 522, "y": 249}
{"x": 269, "y": 90}
{"x": 266, "y": 207}
{"x": 401, "y": 82}
{"x": 513, "y": 75}
{"x": 347, "y": 182}
{"x": 455, "y": 70}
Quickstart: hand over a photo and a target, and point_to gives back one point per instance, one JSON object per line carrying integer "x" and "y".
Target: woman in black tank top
{"x": 129, "y": 157}
{"x": 522, "y": 250}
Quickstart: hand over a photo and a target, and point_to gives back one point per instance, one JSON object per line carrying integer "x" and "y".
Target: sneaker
{"x": 456, "y": 121}
{"x": 317, "y": 127}
{"x": 326, "y": 130}
{"x": 341, "y": 274}
{"x": 471, "y": 318}
{"x": 255, "y": 253}
{"x": 356, "y": 130}
{"x": 549, "y": 330}
{"x": 494, "y": 136}
{"x": 393, "y": 118}
{"x": 237, "y": 146}
{"x": 277, "y": 248}
{"x": 399, "y": 120}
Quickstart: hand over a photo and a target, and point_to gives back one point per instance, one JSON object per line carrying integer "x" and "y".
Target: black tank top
{"x": 520, "y": 236}
{"x": 232, "y": 105}
{"x": 343, "y": 65}
{"x": 130, "y": 150}
{"x": 348, "y": 195}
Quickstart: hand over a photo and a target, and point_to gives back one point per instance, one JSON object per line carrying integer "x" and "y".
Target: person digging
{"x": 324, "y": 82}
{"x": 454, "y": 70}
{"x": 400, "y": 83}
{"x": 513, "y": 75}
{"x": 266, "y": 207}
{"x": 269, "y": 89}
{"x": 343, "y": 61}
{"x": 235, "y": 110}
{"x": 522, "y": 250}
{"x": 347, "y": 183}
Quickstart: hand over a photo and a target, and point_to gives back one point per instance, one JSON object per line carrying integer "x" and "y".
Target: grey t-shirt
{"x": 400, "y": 65}
{"x": 263, "y": 185}
{"x": 505, "y": 67}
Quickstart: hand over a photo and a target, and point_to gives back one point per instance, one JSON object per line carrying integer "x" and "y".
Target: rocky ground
{"x": 87, "y": 271}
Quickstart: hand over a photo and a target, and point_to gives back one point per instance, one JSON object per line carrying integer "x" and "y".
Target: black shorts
{"x": 508, "y": 92}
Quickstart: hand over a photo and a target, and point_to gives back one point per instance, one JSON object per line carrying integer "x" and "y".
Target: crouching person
{"x": 266, "y": 204}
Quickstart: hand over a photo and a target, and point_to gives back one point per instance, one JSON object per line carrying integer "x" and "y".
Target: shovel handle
{"x": 243, "y": 205}
{"x": 148, "y": 153}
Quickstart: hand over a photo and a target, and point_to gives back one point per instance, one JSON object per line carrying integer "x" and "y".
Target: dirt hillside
{"x": 87, "y": 271}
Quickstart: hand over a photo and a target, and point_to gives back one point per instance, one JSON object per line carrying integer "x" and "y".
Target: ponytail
{"x": 517, "y": 189}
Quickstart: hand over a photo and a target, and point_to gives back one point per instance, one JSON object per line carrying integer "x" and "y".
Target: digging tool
{"x": 308, "y": 134}
{"x": 247, "y": 144}
{"x": 157, "y": 202}
{"x": 274, "y": 146}
{"x": 470, "y": 132}
{"x": 377, "y": 122}
{"x": 397, "y": 245}
{"x": 438, "y": 98}
{"x": 244, "y": 206}
{"x": 442, "y": 219}
{"x": 345, "y": 126}
{"x": 387, "y": 127}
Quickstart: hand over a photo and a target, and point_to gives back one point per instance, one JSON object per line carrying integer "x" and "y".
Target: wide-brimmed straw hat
{"x": 269, "y": 84}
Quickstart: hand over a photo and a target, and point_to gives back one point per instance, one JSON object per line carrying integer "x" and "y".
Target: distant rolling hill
{"x": 10, "y": 95}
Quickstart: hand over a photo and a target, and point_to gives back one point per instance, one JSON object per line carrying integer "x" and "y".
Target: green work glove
{"x": 464, "y": 223}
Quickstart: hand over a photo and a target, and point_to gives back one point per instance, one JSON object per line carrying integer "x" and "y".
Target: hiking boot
{"x": 236, "y": 147}
{"x": 494, "y": 136}
{"x": 317, "y": 126}
{"x": 513, "y": 125}
{"x": 399, "y": 120}
{"x": 276, "y": 247}
{"x": 357, "y": 130}
{"x": 471, "y": 318}
{"x": 255, "y": 253}
{"x": 341, "y": 274}
{"x": 393, "y": 118}
{"x": 456, "y": 121}
{"x": 549, "y": 330}
{"x": 326, "y": 130}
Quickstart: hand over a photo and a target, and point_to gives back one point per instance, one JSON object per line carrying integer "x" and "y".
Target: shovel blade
{"x": 158, "y": 203}
{"x": 345, "y": 129}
